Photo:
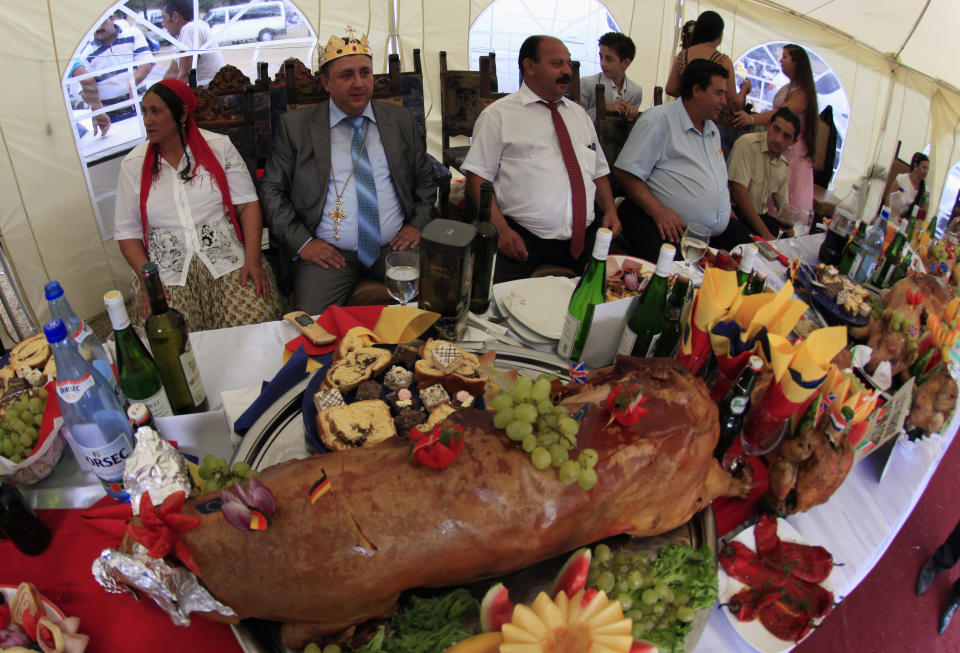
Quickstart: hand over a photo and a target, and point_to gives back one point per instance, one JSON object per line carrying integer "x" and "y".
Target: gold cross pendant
{"x": 338, "y": 215}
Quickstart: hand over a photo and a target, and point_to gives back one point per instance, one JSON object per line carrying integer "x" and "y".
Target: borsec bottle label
{"x": 72, "y": 390}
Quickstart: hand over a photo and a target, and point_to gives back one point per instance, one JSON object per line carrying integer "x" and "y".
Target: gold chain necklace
{"x": 337, "y": 214}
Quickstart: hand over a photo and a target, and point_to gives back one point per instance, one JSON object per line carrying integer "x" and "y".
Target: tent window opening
{"x": 505, "y": 24}
{"x": 129, "y": 48}
{"x": 950, "y": 198}
{"x": 761, "y": 65}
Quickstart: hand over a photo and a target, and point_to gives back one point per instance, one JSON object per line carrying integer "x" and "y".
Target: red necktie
{"x": 576, "y": 180}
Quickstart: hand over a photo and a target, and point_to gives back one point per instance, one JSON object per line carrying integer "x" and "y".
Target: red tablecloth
{"x": 114, "y": 622}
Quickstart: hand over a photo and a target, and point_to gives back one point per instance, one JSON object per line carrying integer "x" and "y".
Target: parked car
{"x": 262, "y": 21}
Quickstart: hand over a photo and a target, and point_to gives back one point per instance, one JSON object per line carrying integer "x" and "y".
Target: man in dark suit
{"x": 348, "y": 182}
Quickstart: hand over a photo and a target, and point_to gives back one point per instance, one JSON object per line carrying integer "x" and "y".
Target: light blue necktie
{"x": 368, "y": 223}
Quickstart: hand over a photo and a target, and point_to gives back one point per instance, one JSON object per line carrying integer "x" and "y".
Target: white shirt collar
{"x": 527, "y": 96}
{"x": 337, "y": 115}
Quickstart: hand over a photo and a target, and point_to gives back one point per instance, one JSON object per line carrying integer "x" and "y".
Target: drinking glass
{"x": 693, "y": 245}
{"x": 761, "y": 434}
{"x": 787, "y": 216}
{"x": 403, "y": 275}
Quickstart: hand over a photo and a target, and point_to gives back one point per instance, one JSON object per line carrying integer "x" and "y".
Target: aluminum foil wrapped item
{"x": 154, "y": 467}
{"x": 175, "y": 589}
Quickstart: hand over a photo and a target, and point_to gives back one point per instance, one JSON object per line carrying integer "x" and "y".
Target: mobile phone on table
{"x": 767, "y": 250}
{"x": 309, "y": 328}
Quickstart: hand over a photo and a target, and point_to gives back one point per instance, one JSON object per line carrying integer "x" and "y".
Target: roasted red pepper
{"x": 810, "y": 563}
{"x": 746, "y": 603}
{"x": 785, "y": 620}
{"x": 765, "y": 534}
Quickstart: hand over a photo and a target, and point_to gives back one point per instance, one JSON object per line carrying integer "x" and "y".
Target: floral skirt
{"x": 207, "y": 303}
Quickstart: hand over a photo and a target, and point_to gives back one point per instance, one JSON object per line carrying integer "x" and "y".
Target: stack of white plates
{"x": 535, "y": 308}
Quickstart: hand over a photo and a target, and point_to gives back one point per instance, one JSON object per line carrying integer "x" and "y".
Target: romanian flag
{"x": 319, "y": 488}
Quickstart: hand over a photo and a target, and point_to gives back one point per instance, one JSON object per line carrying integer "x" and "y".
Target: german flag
{"x": 320, "y": 487}
{"x": 258, "y": 520}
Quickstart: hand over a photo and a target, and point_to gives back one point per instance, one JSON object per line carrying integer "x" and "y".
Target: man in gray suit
{"x": 348, "y": 182}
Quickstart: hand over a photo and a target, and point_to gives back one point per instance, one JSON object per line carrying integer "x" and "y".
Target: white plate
{"x": 753, "y": 632}
{"x": 54, "y": 613}
{"x": 500, "y": 292}
{"x": 539, "y": 304}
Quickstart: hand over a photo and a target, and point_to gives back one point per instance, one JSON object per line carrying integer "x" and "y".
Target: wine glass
{"x": 403, "y": 275}
{"x": 761, "y": 434}
{"x": 693, "y": 245}
{"x": 787, "y": 216}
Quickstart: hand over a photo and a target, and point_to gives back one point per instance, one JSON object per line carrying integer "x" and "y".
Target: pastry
{"x": 406, "y": 356}
{"x": 434, "y": 395}
{"x": 360, "y": 424}
{"x": 368, "y": 390}
{"x": 406, "y": 419}
{"x": 358, "y": 365}
{"x": 34, "y": 351}
{"x": 397, "y": 377}
{"x": 455, "y": 368}
{"x": 400, "y": 399}
{"x": 327, "y": 398}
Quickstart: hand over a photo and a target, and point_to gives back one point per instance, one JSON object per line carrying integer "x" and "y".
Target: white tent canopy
{"x": 891, "y": 56}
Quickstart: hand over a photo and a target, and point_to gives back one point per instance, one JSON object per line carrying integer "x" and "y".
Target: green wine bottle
{"x": 170, "y": 343}
{"x": 891, "y": 258}
{"x": 669, "y": 341}
{"x": 646, "y": 321}
{"x": 590, "y": 291}
{"x": 484, "y": 252}
{"x": 136, "y": 369}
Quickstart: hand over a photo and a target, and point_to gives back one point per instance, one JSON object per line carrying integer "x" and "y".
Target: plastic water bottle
{"x": 99, "y": 431}
{"x": 88, "y": 344}
{"x": 872, "y": 249}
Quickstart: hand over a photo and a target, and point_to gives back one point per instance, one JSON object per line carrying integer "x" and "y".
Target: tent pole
{"x": 677, "y": 25}
{"x": 393, "y": 38}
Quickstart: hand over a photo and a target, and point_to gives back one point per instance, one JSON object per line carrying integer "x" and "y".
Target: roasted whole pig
{"x": 388, "y": 524}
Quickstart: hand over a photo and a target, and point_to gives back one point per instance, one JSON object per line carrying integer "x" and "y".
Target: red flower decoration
{"x": 625, "y": 404}
{"x": 162, "y": 527}
{"x": 439, "y": 449}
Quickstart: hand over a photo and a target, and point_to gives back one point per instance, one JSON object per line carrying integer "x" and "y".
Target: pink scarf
{"x": 202, "y": 155}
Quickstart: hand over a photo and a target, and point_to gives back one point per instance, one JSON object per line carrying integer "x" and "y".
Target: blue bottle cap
{"x": 55, "y": 330}
{"x": 53, "y": 290}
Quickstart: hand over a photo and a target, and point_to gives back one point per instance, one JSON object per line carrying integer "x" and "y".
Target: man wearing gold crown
{"x": 348, "y": 182}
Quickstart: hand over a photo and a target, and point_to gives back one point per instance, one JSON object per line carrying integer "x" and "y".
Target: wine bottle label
{"x": 738, "y": 405}
{"x": 72, "y": 390}
{"x": 571, "y": 326}
{"x": 653, "y": 344}
{"x": 627, "y": 340}
{"x": 107, "y": 459}
{"x": 158, "y": 404}
{"x": 191, "y": 372}
{"x": 82, "y": 333}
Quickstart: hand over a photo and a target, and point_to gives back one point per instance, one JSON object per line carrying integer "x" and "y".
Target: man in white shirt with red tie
{"x": 542, "y": 154}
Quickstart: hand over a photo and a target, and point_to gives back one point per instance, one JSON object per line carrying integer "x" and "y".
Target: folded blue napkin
{"x": 292, "y": 373}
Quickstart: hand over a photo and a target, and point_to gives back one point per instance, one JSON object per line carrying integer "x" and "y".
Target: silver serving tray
{"x": 280, "y": 435}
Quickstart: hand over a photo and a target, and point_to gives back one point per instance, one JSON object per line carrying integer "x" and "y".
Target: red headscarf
{"x": 202, "y": 155}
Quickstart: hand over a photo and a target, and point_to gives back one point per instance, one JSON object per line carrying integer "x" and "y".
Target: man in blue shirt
{"x": 347, "y": 183}
{"x": 672, "y": 168}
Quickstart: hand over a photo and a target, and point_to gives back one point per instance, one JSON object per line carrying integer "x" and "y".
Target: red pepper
{"x": 746, "y": 603}
{"x": 30, "y": 620}
{"x": 786, "y": 620}
{"x": 625, "y": 404}
{"x": 765, "y": 534}
{"x": 439, "y": 449}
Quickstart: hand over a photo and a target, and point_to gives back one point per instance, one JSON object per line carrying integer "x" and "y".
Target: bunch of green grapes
{"x": 313, "y": 647}
{"x": 20, "y": 426}
{"x": 216, "y": 475}
{"x": 630, "y": 578}
{"x": 543, "y": 430}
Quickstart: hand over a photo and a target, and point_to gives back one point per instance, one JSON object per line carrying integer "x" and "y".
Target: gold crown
{"x": 337, "y": 47}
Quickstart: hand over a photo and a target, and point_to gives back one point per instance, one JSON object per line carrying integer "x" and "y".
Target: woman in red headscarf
{"x": 185, "y": 201}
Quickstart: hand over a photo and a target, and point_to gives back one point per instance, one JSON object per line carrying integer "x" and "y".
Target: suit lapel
{"x": 389, "y": 130}
{"x": 320, "y": 135}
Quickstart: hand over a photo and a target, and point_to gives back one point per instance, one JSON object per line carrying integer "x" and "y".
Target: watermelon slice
{"x": 496, "y": 608}
{"x": 573, "y": 575}
{"x": 643, "y": 646}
